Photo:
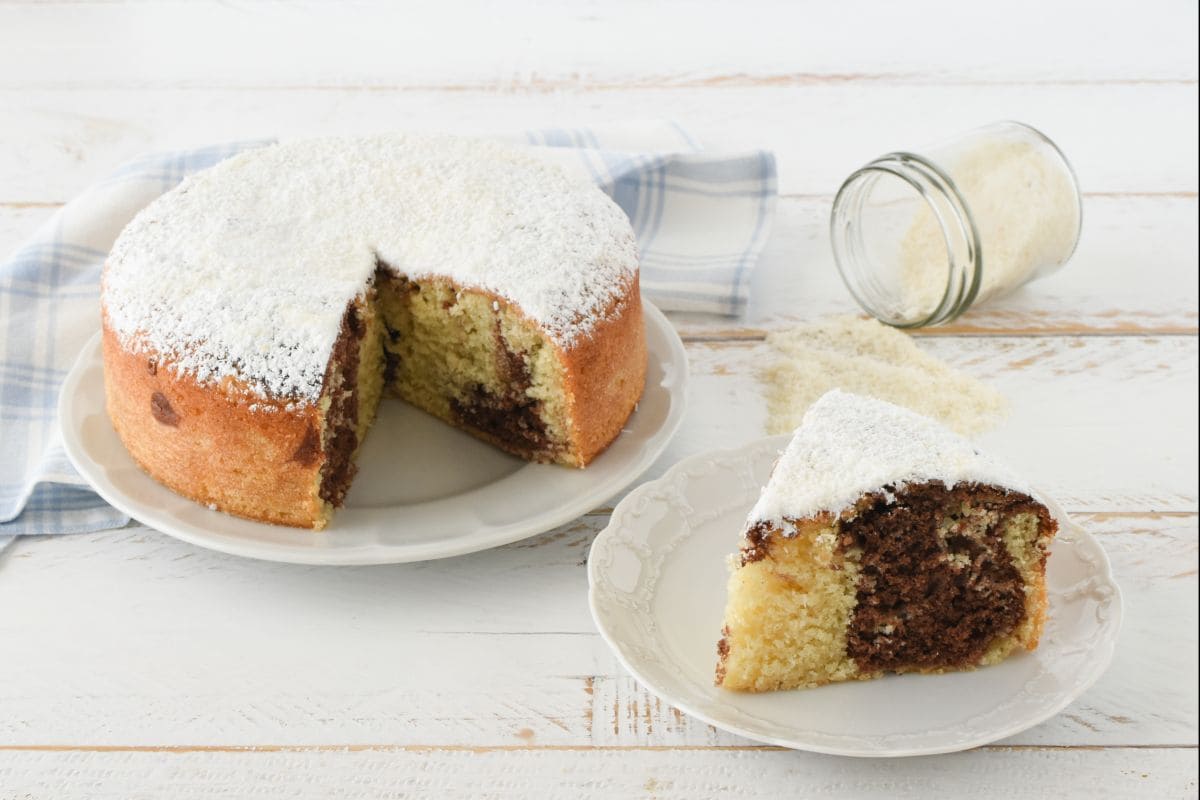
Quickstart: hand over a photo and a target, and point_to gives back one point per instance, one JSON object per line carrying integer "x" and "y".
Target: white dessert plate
{"x": 658, "y": 573}
{"x": 424, "y": 490}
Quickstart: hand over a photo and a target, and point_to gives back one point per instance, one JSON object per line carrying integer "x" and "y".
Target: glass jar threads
{"x": 919, "y": 237}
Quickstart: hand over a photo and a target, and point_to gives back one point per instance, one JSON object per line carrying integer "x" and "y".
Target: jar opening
{"x": 905, "y": 243}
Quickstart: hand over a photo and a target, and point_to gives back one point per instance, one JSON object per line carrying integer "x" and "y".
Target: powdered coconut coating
{"x": 849, "y": 445}
{"x": 246, "y": 269}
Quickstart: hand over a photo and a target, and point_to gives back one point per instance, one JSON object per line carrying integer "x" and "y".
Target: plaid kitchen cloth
{"x": 701, "y": 221}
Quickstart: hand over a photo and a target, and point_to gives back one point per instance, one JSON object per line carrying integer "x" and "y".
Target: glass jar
{"x": 919, "y": 237}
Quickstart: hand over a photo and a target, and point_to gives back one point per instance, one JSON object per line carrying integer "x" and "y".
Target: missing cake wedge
{"x": 882, "y": 543}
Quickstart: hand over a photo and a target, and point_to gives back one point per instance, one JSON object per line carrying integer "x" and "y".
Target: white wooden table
{"x": 132, "y": 665}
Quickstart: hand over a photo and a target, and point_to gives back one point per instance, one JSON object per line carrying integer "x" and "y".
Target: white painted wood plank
{"x": 1120, "y": 137}
{"x": 1135, "y": 270}
{"x": 153, "y": 642}
{"x": 545, "y": 45}
{"x": 1102, "y": 423}
{"x": 130, "y": 638}
{"x": 687, "y": 775}
{"x": 1152, "y": 238}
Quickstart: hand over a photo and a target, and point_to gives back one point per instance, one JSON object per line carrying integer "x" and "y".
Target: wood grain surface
{"x": 133, "y": 665}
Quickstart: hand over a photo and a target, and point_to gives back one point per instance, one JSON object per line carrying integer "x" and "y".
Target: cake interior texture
{"x": 924, "y": 578}
{"x": 463, "y": 356}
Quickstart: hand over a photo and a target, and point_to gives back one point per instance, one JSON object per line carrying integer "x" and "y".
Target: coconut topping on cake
{"x": 849, "y": 445}
{"x": 245, "y": 270}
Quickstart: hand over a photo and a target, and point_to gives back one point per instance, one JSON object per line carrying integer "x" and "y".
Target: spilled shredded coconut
{"x": 869, "y": 358}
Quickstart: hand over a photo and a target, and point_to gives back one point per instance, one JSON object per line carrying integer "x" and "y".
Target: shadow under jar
{"x": 919, "y": 237}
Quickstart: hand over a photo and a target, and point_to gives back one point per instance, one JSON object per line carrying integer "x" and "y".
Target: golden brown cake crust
{"x": 606, "y": 373}
{"x": 207, "y": 444}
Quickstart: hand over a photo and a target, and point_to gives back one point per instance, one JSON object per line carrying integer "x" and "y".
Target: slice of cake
{"x": 882, "y": 543}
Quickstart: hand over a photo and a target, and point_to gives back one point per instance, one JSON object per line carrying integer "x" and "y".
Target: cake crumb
{"x": 864, "y": 356}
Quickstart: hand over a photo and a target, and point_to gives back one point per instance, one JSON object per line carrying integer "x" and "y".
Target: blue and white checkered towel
{"x": 701, "y": 221}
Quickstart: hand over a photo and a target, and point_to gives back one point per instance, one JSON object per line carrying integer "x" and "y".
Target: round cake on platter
{"x": 255, "y": 315}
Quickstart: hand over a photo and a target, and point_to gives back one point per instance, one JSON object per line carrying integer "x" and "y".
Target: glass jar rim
{"x": 931, "y": 184}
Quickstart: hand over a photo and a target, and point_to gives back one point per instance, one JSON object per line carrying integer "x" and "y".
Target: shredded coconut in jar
{"x": 866, "y": 357}
{"x": 1026, "y": 211}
